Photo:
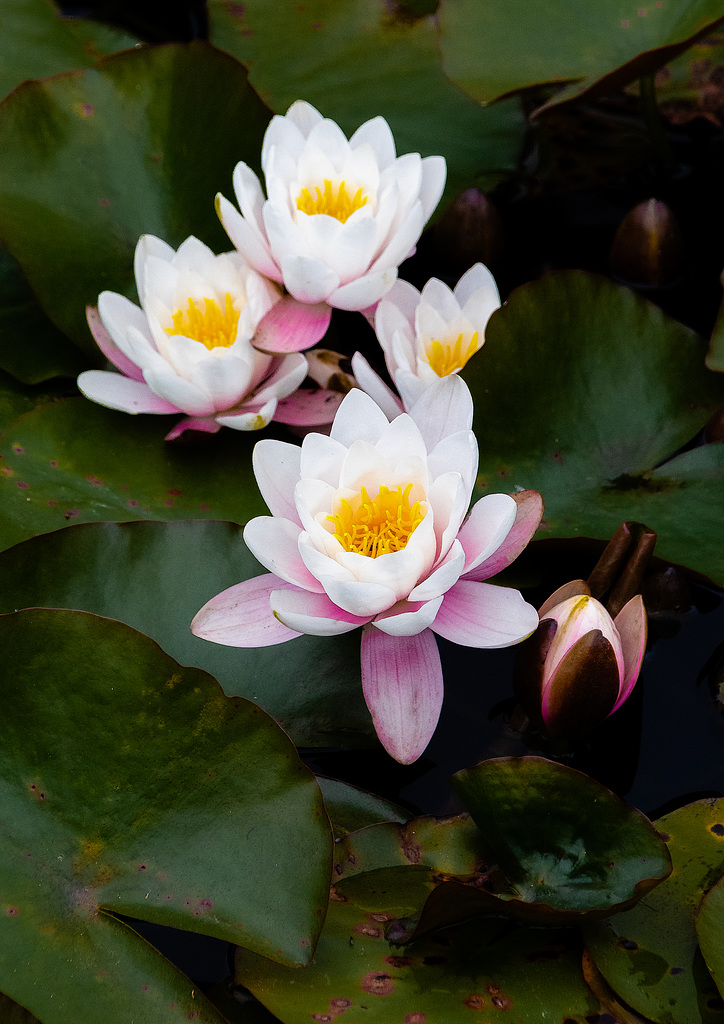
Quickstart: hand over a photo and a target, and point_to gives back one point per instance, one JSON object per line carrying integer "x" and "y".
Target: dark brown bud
{"x": 648, "y": 248}
{"x": 470, "y": 231}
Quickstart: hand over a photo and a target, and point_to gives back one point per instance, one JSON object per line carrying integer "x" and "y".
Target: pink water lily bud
{"x": 581, "y": 664}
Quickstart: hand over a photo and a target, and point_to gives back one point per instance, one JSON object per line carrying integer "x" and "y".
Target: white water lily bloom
{"x": 370, "y": 528}
{"x": 428, "y": 335}
{"x": 189, "y": 347}
{"x": 340, "y": 215}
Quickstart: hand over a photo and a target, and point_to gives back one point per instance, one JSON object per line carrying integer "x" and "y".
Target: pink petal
{"x": 576, "y": 588}
{"x": 632, "y": 627}
{"x": 208, "y": 424}
{"x": 108, "y": 346}
{"x": 312, "y": 613}
{"x": 242, "y": 617}
{"x": 118, "y": 392}
{"x": 484, "y": 531}
{"x": 483, "y": 615}
{"x": 527, "y": 519}
{"x": 403, "y": 686}
{"x": 309, "y": 407}
{"x": 292, "y": 326}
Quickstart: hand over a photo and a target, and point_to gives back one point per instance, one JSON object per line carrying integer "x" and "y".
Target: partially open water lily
{"x": 369, "y": 528}
{"x": 189, "y": 347}
{"x": 339, "y": 215}
{"x": 427, "y": 335}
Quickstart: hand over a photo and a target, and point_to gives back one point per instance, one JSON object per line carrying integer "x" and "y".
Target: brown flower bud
{"x": 648, "y": 248}
{"x": 470, "y": 231}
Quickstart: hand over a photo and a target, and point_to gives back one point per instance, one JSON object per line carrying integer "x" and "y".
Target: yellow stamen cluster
{"x": 340, "y": 205}
{"x": 445, "y": 357}
{"x": 377, "y": 526}
{"x": 213, "y": 326}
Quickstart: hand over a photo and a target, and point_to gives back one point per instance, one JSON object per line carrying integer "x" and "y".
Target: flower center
{"x": 377, "y": 526}
{"x": 339, "y": 204}
{"x": 446, "y": 357}
{"x": 213, "y": 326}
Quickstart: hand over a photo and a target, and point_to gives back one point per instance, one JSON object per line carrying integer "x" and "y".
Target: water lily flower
{"x": 188, "y": 348}
{"x": 427, "y": 335}
{"x": 339, "y": 215}
{"x": 581, "y": 664}
{"x": 369, "y": 529}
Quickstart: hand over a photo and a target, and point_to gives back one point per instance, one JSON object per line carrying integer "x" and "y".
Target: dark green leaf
{"x": 580, "y": 390}
{"x": 649, "y": 955}
{"x": 323, "y": 51}
{"x": 493, "y": 49}
{"x": 350, "y": 808}
{"x": 92, "y": 161}
{"x": 710, "y": 931}
{"x": 133, "y": 785}
{"x": 155, "y": 577}
{"x": 565, "y": 844}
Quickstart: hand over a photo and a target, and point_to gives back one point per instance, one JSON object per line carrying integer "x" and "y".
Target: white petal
{"x": 375, "y": 387}
{"x": 445, "y": 576}
{"x": 408, "y": 618}
{"x": 274, "y": 543}
{"x": 358, "y": 417}
{"x": 307, "y": 279}
{"x": 184, "y": 395}
{"x": 377, "y": 134}
{"x": 365, "y": 291}
{"x": 115, "y": 391}
{"x": 434, "y": 173}
{"x": 443, "y": 409}
{"x": 276, "y": 468}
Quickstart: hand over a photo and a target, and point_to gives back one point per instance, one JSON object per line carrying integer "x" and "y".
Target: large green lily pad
{"x": 94, "y": 159}
{"x": 323, "y": 52}
{"x": 564, "y": 843}
{"x": 650, "y": 955}
{"x": 155, "y": 577}
{"x": 710, "y": 931}
{"x": 67, "y": 460}
{"x": 581, "y": 389}
{"x": 482, "y": 971}
{"x": 132, "y": 785}
{"x": 493, "y": 49}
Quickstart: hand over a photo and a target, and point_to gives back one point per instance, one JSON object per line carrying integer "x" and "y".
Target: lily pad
{"x": 92, "y": 160}
{"x": 155, "y": 577}
{"x": 649, "y": 955}
{"x": 715, "y": 356}
{"x": 483, "y": 970}
{"x": 581, "y": 391}
{"x": 132, "y": 785}
{"x": 350, "y": 808}
{"x": 493, "y": 49}
{"x": 564, "y": 843}
{"x": 68, "y": 460}
{"x": 322, "y": 51}
{"x": 710, "y": 931}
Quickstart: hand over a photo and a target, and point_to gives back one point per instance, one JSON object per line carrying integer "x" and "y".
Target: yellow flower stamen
{"x": 446, "y": 357}
{"x": 377, "y": 526}
{"x": 340, "y": 205}
{"x": 213, "y": 326}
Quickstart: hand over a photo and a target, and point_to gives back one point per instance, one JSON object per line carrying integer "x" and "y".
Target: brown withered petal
{"x": 528, "y": 673}
{"x": 584, "y": 688}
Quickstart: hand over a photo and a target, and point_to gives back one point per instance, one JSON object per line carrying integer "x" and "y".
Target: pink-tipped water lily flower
{"x": 581, "y": 664}
{"x": 427, "y": 335}
{"x": 188, "y": 348}
{"x": 339, "y": 215}
{"x": 370, "y": 528}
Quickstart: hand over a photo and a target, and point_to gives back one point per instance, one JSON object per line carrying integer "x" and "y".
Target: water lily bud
{"x": 648, "y": 248}
{"x": 470, "y": 231}
{"x": 580, "y": 665}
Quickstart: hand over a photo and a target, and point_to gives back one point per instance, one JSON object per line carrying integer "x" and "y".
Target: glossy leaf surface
{"x": 563, "y": 841}
{"x": 92, "y": 161}
{"x": 493, "y": 49}
{"x": 131, "y": 784}
{"x": 580, "y": 390}
{"x": 350, "y": 808}
{"x": 155, "y": 577}
{"x": 322, "y": 51}
{"x": 650, "y": 955}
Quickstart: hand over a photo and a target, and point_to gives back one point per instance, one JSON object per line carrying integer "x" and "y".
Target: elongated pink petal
{"x": 527, "y": 520}
{"x": 483, "y": 615}
{"x": 486, "y": 529}
{"x": 312, "y": 613}
{"x": 403, "y": 686}
{"x": 632, "y": 628}
{"x": 206, "y": 424}
{"x": 292, "y": 326}
{"x": 108, "y": 346}
{"x": 309, "y": 407}
{"x": 106, "y": 387}
{"x": 242, "y": 617}
{"x": 575, "y": 588}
